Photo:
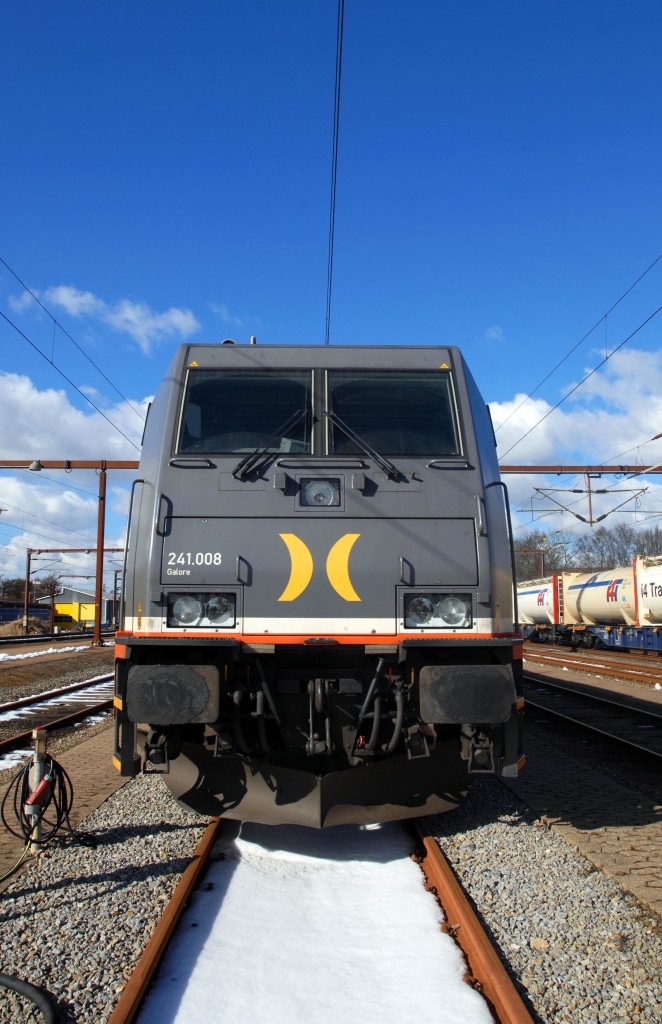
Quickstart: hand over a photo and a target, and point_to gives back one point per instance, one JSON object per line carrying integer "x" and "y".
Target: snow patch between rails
{"x": 292, "y": 925}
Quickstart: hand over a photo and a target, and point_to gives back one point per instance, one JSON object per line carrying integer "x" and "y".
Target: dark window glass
{"x": 236, "y": 412}
{"x": 395, "y": 412}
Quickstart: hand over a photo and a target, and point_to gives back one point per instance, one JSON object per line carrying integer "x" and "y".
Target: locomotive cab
{"x": 318, "y": 614}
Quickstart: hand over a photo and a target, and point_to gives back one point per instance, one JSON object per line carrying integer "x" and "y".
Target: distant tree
{"x": 539, "y": 554}
{"x": 45, "y": 585}
{"x": 607, "y": 547}
{"x": 601, "y": 547}
{"x": 12, "y": 588}
{"x": 649, "y": 542}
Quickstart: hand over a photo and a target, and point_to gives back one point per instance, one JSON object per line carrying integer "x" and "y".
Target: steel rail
{"x": 582, "y": 724}
{"x": 43, "y": 638}
{"x": 616, "y": 654}
{"x": 133, "y": 994}
{"x": 25, "y": 702}
{"x": 59, "y": 723}
{"x": 613, "y": 671}
{"x": 487, "y": 972}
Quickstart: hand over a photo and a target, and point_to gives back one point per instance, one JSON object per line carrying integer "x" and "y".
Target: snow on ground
{"x": 40, "y": 653}
{"x": 104, "y": 688}
{"x": 15, "y": 758}
{"x": 293, "y": 925}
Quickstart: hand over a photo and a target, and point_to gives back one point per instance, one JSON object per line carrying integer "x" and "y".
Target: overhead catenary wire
{"x": 56, "y": 323}
{"x": 583, "y": 380}
{"x": 334, "y": 165}
{"x": 42, "y": 536}
{"x": 602, "y": 319}
{"x": 52, "y": 480}
{"x": 33, "y": 515}
{"x": 573, "y": 349}
{"x": 525, "y": 506}
{"x": 70, "y": 382}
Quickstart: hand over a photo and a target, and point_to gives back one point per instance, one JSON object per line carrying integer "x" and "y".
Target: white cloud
{"x": 41, "y": 515}
{"x": 618, "y": 409}
{"x": 19, "y": 303}
{"x": 226, "y": 316}
{"x": 631, "y": 376}
{"x": 495, "y": 333}
{"x": 609, "y": 420}
{"x": 43, "y": 424}
{"x": 136, "y": 319}
{"x": 75, "y": 302}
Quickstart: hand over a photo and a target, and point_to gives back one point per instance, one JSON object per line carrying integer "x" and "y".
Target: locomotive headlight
{"x": 186, "y": 610}
{"x": 319, "y": 493}
{"x": 419, "y": 611}
{"x": 220, "y": 610}
{"x": 455, "y": 611}
{"x": 437, "y": 611}
{"x": 202, "y": 610}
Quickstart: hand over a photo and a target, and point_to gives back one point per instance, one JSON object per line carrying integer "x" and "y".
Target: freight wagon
{"x": 619, "y": 608}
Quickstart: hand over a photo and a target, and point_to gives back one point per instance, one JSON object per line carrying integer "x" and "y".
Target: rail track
{"x": 53, "y": 638}
{"x": 484, "y": 972}
{"x": 623, "y": 721}
{"x": 53, "y": 709}
{"x": 635, "y": 668}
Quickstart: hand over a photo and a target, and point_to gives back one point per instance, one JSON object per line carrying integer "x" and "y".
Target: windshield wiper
{"x": 384, "y": 464}
{"x": 245, "y": 465}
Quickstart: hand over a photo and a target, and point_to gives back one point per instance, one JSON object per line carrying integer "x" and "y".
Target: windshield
{"x": 395, "y": 412}
{"x": 237, "y": 411}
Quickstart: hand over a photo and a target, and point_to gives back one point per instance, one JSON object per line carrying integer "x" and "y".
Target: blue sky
{"x": 166, "y": 176}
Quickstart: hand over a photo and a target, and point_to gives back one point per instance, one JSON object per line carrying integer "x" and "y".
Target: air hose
{"x": 31, "y": 992}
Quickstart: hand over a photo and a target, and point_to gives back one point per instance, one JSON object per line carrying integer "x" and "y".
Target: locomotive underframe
{"x": 248, "y": 734}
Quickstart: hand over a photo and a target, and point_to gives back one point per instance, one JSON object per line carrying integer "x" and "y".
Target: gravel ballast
{"x": 582, "y": 950}
{"x": 579, "y": 947}
{"x": 77, "y": 922}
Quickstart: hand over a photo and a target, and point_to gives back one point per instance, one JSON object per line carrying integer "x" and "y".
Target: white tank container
{"x": 535, "y": 601}
{"x": 649, "y": 590}
{"x": 600, "y": 598}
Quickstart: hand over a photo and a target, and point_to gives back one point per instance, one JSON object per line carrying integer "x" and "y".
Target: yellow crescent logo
{"x": 302, "y": 567}
{"x": 337, "y": 567}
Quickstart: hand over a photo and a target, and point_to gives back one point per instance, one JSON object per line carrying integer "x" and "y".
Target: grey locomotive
{"x": 318, "y": 618}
